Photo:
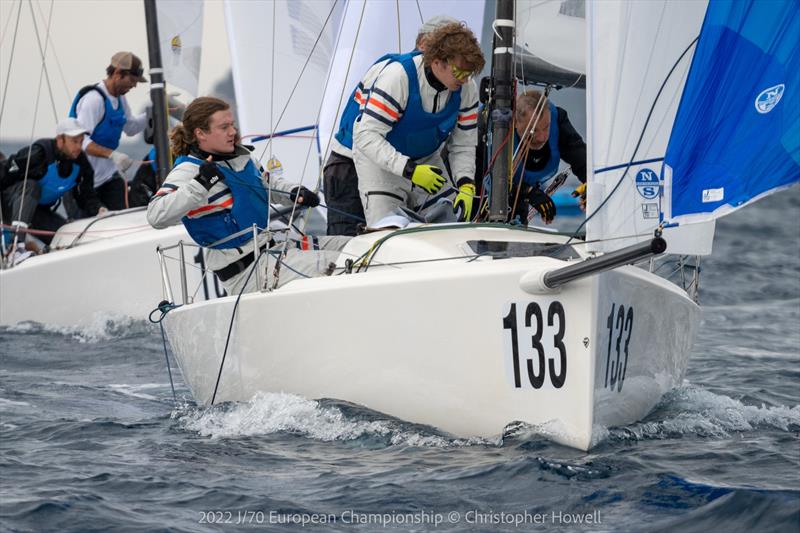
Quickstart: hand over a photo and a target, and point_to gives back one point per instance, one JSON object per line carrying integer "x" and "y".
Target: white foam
{"x": 5, "y": 401}
{"x": 133, "y": 390}
{"x": 705, "y": 413}
{"x": 268, "y": 413}
{"x": 101, "y": 327}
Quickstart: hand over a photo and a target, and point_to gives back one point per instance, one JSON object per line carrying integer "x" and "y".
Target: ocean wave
{"x": 101, "y": 327}
{"x": 695, "y": 411}
{"x": 268, "y": 413}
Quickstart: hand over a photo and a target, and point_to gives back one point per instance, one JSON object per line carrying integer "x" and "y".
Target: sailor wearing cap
{"x": 103, "y": 110}
{"x": 35, "y": 178}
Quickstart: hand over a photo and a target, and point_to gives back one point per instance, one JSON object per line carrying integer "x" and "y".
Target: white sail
{"x": 180, "y": 29}
{"x": 551, "y": 41}
{"x": 271, "y": 44}
{"x": 632, "y": 48}
{"x": 371, "y": 29}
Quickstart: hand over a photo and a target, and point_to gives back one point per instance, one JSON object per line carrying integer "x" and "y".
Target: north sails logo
{"x": 769, "y": 98}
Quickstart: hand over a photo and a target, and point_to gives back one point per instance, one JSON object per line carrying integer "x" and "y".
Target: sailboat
{"x": 471, "y": 327}
{"x": 104, "y": 268}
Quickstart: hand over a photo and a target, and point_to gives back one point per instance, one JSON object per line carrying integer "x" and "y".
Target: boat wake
{"x": 324, "y": 420}
{"x": 690, "y": 410}
{"x": 101, "y": 327}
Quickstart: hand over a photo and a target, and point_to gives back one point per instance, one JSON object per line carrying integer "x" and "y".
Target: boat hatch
{"x": 505, "y": 249}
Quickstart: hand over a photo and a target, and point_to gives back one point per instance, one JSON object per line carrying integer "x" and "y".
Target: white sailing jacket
{"x": 181, "y": 194}
{"x": 387, "y": 84}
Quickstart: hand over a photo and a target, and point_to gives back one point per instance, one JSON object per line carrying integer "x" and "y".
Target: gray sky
{"x": 84, "y": 34}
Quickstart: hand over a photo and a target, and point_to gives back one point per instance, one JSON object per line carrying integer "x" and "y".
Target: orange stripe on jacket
{"x": 383, "y": 107}
{"x": 465, "y": 118}
{"x": 226, "y": 203}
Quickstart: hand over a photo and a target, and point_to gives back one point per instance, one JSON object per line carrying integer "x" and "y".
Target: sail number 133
{"x": 534, "y": 322}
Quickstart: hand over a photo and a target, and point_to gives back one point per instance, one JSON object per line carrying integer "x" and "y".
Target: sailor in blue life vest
{"x": 413, "y": 106}
{"x": 103, "y": 110}
{"x": 345, "y": 212}
{"x": 216, "y": 189}
{"x": 551, "y": 138}
{"x": 33, "y": 180}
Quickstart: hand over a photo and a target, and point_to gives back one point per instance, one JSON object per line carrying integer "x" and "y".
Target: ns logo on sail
{"x": 769, "y": 98}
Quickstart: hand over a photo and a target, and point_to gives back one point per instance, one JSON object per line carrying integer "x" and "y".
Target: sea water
{"x": 91, "y": 439}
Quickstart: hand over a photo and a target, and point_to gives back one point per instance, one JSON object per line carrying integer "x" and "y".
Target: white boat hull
{"x": 432, "y": 343}
{"x": 113, "y": 273}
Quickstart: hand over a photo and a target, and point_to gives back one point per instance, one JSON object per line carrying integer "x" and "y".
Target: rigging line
{"x": 10, "y": 62}
{"x": 5, "y": 28}
{"x": 346, "y": 75}
{"x": 43, "y": 53}
{"x": 272, "y": 85}
{"x": 320, "y": 154}
{"x": 638, "y": 143}
{"x": 230, "y": 326}
{"x": 33, "y": 129}
{"x": 55, "y": 55}
{"x": 302, "y": 71}
{"x": 421, "y": 18}
{"x": 399, "y": 44}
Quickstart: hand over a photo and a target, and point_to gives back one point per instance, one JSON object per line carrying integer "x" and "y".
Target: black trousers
{"x": 345, "y": 212}
{"x": 112, "y": 193}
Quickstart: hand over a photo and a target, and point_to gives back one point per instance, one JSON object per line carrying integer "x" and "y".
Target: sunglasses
{"x": 460, "y": 74}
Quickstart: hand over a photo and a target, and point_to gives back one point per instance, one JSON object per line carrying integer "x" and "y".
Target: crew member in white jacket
{"x": 412, "y": 106}
{"x": 216, "y": 189}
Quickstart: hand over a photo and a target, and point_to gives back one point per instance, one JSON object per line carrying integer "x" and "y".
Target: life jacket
{"x": 353, "y": 108}
{"x": 532, "y": 177}
{"x": 60, "y": 177}
{"x": 109, "y": 130}
{"x": 418, "y": 133}
{"x": 243, "y": 204}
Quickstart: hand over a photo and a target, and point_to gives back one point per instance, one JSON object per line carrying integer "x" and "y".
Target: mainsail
{"x": 280, "y": 54}
{"x": 551, "y": 42}
{"x": 737, "y": 134}
{"x": 180, "y": 29}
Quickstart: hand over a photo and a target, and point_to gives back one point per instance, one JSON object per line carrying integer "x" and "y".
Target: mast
{"x": 502, "y": 99}
{"x": 157, "y": 93}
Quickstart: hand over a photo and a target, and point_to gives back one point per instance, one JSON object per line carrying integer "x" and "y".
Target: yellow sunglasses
{"x": 460, "y": 74}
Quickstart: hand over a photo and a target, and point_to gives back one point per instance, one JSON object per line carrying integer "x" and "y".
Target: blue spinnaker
{"x": 736, "y": 135}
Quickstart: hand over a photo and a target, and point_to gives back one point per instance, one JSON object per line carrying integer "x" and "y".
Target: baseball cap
{"x": 435, "y": 22}
{"x": 130, "y": 62}
{"x": 70, "y": 127}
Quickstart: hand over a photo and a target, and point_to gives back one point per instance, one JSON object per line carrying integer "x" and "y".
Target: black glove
{"x": 308, "y": 198}
{"x": 543, "y": 204}
{"x": 209, "y": 174}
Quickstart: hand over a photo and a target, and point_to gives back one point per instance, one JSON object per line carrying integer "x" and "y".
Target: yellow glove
{"x": 580, "y": 192}
{"x": 428, "y": 177}
{"x": 462, "y": 205}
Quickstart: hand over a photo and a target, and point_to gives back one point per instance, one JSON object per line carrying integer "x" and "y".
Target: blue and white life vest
{"x": 109, "y": 130}
{"x": 238, "y": 207}
{"x": 532, "y": 177}
{"x": 418, "y": 133}
{"x": 53, "y": 185}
